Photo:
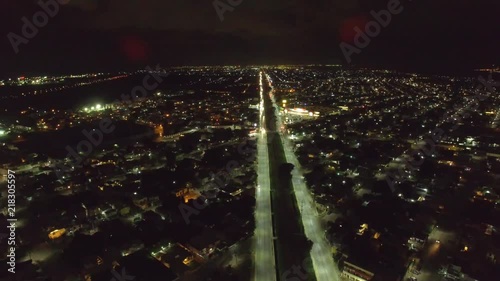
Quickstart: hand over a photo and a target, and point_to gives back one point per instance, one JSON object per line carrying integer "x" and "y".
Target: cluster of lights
{"x": 97, "y": 107}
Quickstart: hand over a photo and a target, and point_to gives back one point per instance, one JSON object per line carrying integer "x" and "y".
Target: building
{"x": 455, "y": 273}
{"x": 351, "y": 272}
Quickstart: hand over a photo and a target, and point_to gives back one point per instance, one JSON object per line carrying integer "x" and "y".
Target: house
{"x": 139, "y": 266}
{"x": 352, "y": 272}
{"x": 203, "y": 245}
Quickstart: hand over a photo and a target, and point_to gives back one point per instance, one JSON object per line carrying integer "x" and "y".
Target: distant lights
{"x": 97, "y": 107}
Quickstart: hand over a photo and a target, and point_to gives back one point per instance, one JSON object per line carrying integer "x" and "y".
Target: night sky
{"x": 88, "y": 35}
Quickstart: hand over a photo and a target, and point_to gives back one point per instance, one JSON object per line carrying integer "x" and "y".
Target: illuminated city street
{"x": 265, "y": 268}
{"x": 324, "y": 266}
{"x": 262, "y": 173}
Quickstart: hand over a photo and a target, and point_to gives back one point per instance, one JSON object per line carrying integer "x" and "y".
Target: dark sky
{"x": 113, "y": 34}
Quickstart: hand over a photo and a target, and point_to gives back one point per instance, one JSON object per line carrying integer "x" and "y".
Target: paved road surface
{"x": 324, "y": 266}
{"x": 265, "y": 267}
